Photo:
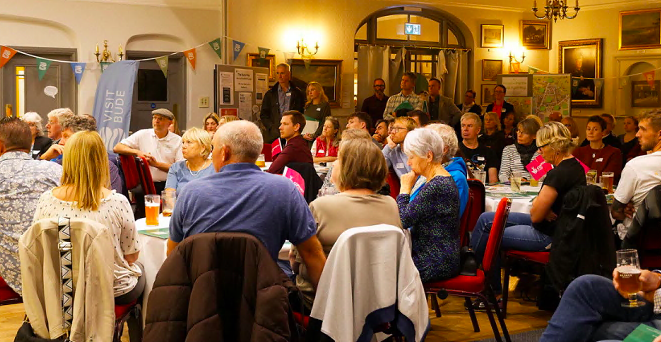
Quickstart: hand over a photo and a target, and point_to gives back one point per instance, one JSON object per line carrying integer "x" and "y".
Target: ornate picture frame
{"x": 268, "y": 62}
{"x": 640, "y": 29}
{"x": 492, "y": 36}
{"x": 583, "y": 60}
{"x": 491, "y": 68}
{"x": 535, "y": 34}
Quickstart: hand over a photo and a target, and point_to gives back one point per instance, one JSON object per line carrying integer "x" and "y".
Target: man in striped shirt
{"x": 406, "y": 95}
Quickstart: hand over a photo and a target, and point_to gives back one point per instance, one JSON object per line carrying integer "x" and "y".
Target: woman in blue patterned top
{"x": 433, "y": 214}
{"x": 196, "y": 148}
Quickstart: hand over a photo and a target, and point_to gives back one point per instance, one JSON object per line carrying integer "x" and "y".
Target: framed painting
{"x": 645, "y": 95}
{"x": 640, "y": 29}
{"x": 487, "y": 94}
{"x": 582, "y": 59}
{"x": 267, "y": 62}
{"x": 587, "y": 92}
{"x": 535, "y": 34}
{"x": 325, "y": 71}
{"x": 491, "y": 68}
{"x": 492, "y": 36}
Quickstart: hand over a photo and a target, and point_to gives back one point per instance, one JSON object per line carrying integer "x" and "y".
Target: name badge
{"x": 480, "y": 158}
{"x": 322, "y": 151}
{"x": 287, "y": 94}
{"x": 503, "y": 110}
{"x": 599, "y": 160}
{"x": 399, "y": 166}
{"x": 319, "y": 109}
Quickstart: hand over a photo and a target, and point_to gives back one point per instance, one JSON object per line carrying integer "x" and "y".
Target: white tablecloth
{"x": 521, "y": 202}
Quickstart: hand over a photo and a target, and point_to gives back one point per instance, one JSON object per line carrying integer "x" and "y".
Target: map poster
{"x": 522, "y": 105}
{"x": 551, "y": 93}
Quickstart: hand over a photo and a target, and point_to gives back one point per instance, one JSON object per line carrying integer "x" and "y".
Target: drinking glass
{"x": 591, "y": 177}
{"x": 168, "y": 196}
{"x": 515, "y": 181}
{"x": 628, "y": 269}
{"x": 607, "y": 181}
{"x": 480, "y": 175}
{"x": 261, "y": 161}
{"x": 152, "y": 206}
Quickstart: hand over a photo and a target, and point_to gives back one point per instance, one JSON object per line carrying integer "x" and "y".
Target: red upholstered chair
{"x": 130, "y": 169}
{"x": 393, "y": 181}
{"x": 7, "y": 294}
{"x": 477, "y": 193}
{"x": 145, "y": 176}
{"x": 541, "y": 258}
{"x": 478, "y": 285}
{"x": 123, "y": 313}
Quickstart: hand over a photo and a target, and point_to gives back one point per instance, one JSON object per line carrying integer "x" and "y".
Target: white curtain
{"x": 373, "y": 62}
{"x": 453, "y": 69}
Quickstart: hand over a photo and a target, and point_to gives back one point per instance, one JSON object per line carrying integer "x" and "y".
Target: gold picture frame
{"x": 640, "y": 29}
{"x": 535, "y": 34}
{"x": 486, "y": 94}
{"x": 491, "y": 68}
{"x": 268, "y": 62}
{"x": 492, "y": 36}
{"x": 583, "y": 60}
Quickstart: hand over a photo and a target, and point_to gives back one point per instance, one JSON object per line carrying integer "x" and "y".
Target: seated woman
{"x": 358, "y": 173}
{"x": 84, "y": 194}
{"x": 196, "y": 147}
{"x": 571, "y": 125}
{"x": 509, "y": 128}
{"x": 532, "y": 232}
{"x": 433, "y": 214}
{"x": 597, "y": 155}
{"x": 324, "y": 148}
{"x": 211, "y": 123}
{"x": 492, "y": 137}
{"x": 518, "y": 155}
{"x": 630, "y": 145}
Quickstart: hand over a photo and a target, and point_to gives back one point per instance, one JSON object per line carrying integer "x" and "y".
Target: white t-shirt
{"x": 639, "y": 176}
{"x": 166, "y": 149}
{"x": 115, "y": 213}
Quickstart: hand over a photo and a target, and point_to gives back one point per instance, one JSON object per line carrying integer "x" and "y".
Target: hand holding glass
{"x": 628, "y": 269}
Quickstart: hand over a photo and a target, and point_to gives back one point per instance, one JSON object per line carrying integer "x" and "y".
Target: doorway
{"x": 153, "y": 90}
{"x": 22, "y": 91}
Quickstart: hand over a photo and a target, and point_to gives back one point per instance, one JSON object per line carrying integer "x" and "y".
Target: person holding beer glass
{"x": 85, "y": 193}
{"x": 196, "y": 147}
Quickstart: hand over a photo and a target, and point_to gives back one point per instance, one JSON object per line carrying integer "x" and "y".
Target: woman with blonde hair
{"x": 317, "y": 109}
{"x": 211, "y": 123}
{"x": 533, "y": 232}
{"x": 84, "y": 194}
{"x": 227, "y": 118}
{"x": 196, "y": 147}
{"x": 40, "y": 143}
{"x": 324, "y": 149}
{"x": 571, "y": 125}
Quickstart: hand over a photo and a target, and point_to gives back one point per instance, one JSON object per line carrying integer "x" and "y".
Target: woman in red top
{"x": 599, "y": 156}
{"x": 324, "y": 148}
{"x": 500, "y": 106}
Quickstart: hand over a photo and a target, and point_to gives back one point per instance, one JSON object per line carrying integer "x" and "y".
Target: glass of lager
{"x": 628, "y": 269}
{"x": 169, "y": 196}
{"x": 607, "y": 181}
{"x": 152, "y": 206}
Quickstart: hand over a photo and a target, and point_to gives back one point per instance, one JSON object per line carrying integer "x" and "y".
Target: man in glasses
{"x": 395, "y": 157}
{"x": 376, "y": 104}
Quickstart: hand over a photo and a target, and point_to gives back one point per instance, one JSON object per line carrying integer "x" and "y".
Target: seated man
{"x": 266, "y": 206}
{"x": 395, "y": 157}
{"x": 478, "y": 155}
{"x": 297, "y": 149}
{"x": 421, "y": 118}
{"x": 361, "y": 120}
{"x": 22, "y": 181}
{"x": 591, "y": 309}
{"x": 640, "y": 174}
{"x": 159, "y": 146}
{"x": 75, "y": 124}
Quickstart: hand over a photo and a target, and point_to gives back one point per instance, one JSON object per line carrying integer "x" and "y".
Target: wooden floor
{"x": 454, "y": 325}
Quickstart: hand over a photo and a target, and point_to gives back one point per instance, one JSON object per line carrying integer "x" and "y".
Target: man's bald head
{"x": 240, "y": 141}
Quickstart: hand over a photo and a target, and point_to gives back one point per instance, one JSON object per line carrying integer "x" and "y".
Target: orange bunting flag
{"x": 649, "y": 77}
{"x": 6, "y": 53}
{"x": 191, "y": 55}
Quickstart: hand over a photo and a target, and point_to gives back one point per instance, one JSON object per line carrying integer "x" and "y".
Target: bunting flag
{"x": 163, "y": 64}
{"x": 532, "y": 70}
{"x": 104, "y": 66}
{"x": 263, "y": 52}
{"x": 78, "y": 69}
{"x": 237, "y": 46}
{"x": 216, "y": 46}
{"x": 649, "y": 77}
{"x": 6, "y": 53}
{"x": 191, "y": 55}
{"x": 42, "y": 67}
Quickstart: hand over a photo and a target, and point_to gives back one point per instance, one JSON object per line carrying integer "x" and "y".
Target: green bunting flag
{"x": 163, "y": 64}
{"x": 216, "y": 46}
{"x": 532, "y": 70}
{"x": 42, "y": 67}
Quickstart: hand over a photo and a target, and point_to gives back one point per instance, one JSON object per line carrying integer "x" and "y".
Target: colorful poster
{"x": 551, "y": 93}
{"x": 522, "y": 105}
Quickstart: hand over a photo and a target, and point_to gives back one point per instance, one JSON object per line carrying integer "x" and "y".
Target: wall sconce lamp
{"x": 105, "y": 56}
{"x": 515, "y": 63}
{"x": 303, "y": 49}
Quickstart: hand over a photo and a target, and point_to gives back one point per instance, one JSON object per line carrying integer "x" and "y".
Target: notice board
{"x": 239, "y": 90}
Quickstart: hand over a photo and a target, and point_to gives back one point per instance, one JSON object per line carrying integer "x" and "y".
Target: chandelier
{"x": 554, "y": 9}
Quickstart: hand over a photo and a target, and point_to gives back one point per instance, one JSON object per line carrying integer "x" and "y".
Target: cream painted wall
{"x": 81, "y": 25}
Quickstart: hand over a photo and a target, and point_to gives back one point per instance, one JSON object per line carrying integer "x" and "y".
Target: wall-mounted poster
{"x": 551, "y": 93}
{"x": 516, "y": 85}
{"x": 640, "y": 29}
{"x": 535, "y": 34}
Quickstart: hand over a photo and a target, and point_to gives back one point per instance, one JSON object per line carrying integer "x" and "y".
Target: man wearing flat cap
{"x": 159, "y": 146}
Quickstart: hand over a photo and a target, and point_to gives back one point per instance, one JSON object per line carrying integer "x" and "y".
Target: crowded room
{"x": 213, "y": 170}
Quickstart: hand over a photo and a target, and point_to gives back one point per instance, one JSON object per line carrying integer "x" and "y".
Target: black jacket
{"x": 475, "y": 108}
{"x": 645, "y": 228}
{"x": 312, "y": 181}
{"x": 583, "y": 241}
{"x": 270, "y": 114}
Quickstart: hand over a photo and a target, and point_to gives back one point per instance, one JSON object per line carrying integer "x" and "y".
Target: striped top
{"x": 511, "y": 162}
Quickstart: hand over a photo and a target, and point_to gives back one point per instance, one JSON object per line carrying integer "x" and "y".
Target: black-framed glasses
{"x": 540, "y": 147}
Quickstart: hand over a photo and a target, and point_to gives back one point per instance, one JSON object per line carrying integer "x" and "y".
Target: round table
{"x": 521, "y": 201}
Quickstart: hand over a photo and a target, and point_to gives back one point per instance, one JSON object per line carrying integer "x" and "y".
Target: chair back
{"x": 476, "y": 203}
{"x": 464, "y": 224}
{"x": 496, "y": 235}
{"x": 266, "y": 151}
{"x": 145, "y": 176}
{"x": 394, "y": 183}
{"x": 130, "y": 171}
{"x": 312, "y": 181}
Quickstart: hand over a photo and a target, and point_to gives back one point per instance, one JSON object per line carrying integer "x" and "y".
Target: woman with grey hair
{"x": 433, "y": 215}
{"x": 40, "y": 143}
{"x": 518, "y": 155}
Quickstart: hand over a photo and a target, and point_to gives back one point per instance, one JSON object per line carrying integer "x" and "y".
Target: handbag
{"x": 468, "y": 263}
{"x": 26, "y": 334}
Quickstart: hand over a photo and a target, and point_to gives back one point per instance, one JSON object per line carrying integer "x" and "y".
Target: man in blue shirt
{"x": 242, "y": 198}
{"x": 395, "y": 157}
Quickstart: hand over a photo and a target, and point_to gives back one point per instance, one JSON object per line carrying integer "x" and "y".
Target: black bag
{"x": 26, "y": 334}
{"x": 468, "y": 262}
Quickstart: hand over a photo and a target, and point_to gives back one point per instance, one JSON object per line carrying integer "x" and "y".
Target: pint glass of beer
{"x": 607, "y": 181}
{"x": 628, "y": 269}
{"x": 168, "y": 196}
{"x": 152, "y": 206}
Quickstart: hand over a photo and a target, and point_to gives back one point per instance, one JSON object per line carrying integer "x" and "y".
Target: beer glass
{"x": 152, "y": 206}
{"x": 480, "y": 175}
{"x": 261, "y": 161}
{"x": 534, "y": 182}
{"x": 515, "y": 181}
{"x": 607, "y": 181}
{"x": 169, "y": 197}
{"x": 591, "y": 177}
{"x": 628, "y": 269}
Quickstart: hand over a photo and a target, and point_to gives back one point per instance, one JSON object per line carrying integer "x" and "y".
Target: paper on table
{"x": 310, "y": 126}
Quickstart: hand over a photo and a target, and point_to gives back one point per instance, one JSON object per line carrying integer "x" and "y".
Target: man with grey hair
{"x": 258, "y": 203}
{"x": 282, "y": 97}
{"x": 22, "y": 181}
{"x": 40, "y": 143}
{"x": 456, "y": 166}
{"x": 480, "y": 156}
{"x": 55, "y": 118}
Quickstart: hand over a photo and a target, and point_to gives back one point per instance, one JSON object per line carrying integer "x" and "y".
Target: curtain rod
{"x": 419, "y": 47}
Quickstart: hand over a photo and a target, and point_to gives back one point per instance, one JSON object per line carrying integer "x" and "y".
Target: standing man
{"x": 376, "y": 104}
{"x": 407, "y": 95}
{"x": 22, "y": 181}
{"x": 161, "y": 147}
{"x": 282, "y": 97}
{"x": 440, "y": 107}
{"x": 395, "y": 157}
{"x": 469, "y": 104}
{"x": 297, "y": 149}
{"x": 478, "y": 155}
